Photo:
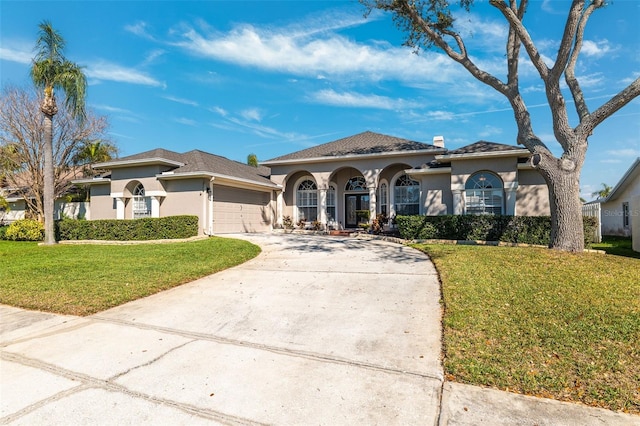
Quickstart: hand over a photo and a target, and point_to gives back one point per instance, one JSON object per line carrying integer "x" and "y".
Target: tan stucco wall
{"x": 184, "y": 197}
{"x": 103, "y": 205}
{"x": 532, "y": 195}
{"x": 17, "y": 211}
{"x": 437, "y": 197}
{"x": 504, "y": 167}
{"x": 123, "y": 180}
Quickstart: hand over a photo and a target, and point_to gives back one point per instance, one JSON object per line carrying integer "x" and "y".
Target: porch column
{"x": 279, "y": 207}
{"x": 155, "y": 206}
{"x": 120, "y": 207}
{"x": 372, "y": 203}
{"x": 322, "y": 206}
{"x": 458, "y": 202}
{"x": 510, "y": 189}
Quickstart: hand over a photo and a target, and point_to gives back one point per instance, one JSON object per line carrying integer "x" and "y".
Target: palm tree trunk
{"x": 49, "y": 196}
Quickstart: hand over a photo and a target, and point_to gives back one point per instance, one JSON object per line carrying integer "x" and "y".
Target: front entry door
{"x": 355, "y": 206}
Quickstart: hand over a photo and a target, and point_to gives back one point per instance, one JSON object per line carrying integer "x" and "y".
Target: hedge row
{"x": 511, "y": 229}
{"x": 170, "y": 227}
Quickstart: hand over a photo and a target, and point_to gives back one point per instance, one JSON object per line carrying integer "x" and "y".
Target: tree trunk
{"x": 567, "y": 232}
{"x": 49, "y": 196}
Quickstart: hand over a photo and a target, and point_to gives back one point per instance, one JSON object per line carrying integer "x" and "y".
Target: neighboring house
{"x": 339, "y": 184}
{"x": 227, "y": 196}
{"x": 617, "y": 211}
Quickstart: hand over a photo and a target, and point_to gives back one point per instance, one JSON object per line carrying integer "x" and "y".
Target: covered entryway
{"x": 356, "y": 209}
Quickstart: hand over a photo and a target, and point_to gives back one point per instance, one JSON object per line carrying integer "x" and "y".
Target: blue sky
{"x": 273, "y": 77}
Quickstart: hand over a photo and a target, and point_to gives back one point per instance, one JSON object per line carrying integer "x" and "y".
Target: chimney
{"x": 438, "y": 141}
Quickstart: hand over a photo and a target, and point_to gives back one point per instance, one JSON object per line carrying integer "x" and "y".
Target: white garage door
{"x": 240, "y": 210}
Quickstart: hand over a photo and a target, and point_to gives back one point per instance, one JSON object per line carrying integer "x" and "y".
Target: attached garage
{"x": 237, "y": 210}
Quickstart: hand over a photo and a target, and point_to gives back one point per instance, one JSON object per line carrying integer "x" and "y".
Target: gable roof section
{"x": 197, "y": 161}
{"x": 155, "y": 156}
{"x": 194, "y": 163}
{"x": 630, "y": 175}
{"x": 362, "y": 144}
{"x": 483, "y": 149}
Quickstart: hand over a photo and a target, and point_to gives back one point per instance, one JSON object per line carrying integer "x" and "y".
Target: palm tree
{"x": 604, "y": 192}
{"x": 51, "y": 70}
{"x": 91, "y": 152}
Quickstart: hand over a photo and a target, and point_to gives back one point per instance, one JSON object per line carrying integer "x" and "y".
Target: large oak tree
{"x": 430, "y": 24}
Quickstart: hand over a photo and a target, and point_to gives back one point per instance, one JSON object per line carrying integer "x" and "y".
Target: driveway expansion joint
{"x": 439, "y": 376}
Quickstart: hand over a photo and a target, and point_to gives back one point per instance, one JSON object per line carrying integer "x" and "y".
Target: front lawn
{"x": 85, "y": 279}
{"x": 620, "y": 246}
{"x": 542, "y": 322}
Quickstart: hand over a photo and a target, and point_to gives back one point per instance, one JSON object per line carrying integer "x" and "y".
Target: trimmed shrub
{"x": 25, "y": 230}
{"x": 3, "y": 231}
{"x": 170, "y": 227}
{"x": 512, "y": 229}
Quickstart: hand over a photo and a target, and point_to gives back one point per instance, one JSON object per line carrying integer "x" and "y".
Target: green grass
{"x": 619, "y": 246}
{"x": 543, "y": 323}
{"x": 85, "y": 279}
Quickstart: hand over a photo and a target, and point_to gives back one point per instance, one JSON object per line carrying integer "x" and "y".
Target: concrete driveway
{"x": 314, "y": 331}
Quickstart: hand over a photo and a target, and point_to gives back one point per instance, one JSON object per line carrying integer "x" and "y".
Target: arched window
{"x": 406, "y": 193}
{"x": 141, "y": 204}
{"x": 384, "y": 198}
{"x": 307, "y": 200}
{"x": 331, "y": 203}
{"x": 356, "y": 184}
{"x": 484, "y": 194}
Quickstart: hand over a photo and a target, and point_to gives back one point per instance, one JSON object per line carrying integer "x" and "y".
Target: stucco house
{"x": 227, "y": 196}
{"x": 618, "y": 211}
{"x": 338, "y": 184}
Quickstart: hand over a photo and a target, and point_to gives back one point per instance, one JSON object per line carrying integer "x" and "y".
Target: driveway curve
{"x": 315, "y": 330}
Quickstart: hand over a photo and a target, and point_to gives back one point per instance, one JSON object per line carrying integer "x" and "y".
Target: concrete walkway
{"x": 314, "y": 331}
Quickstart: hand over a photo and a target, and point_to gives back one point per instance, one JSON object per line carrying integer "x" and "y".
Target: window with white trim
{"x": 356, "y": 184}
{"x": 307, "y": 201}
{"x": 484, "y": 194}
{"x": 384, "y": 199}
{"x": 406, "y": 194}
{"x": 331, "y": 203}
{"x": 141, "y": 203}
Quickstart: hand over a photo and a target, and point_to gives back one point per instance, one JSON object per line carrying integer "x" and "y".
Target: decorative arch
{"x": 141, "y": 202}
{"x": 306, "y": 199}
{"x": 406, "y": 195}
{"x": 357, "y": 183}
{"x": 484, "y": 193}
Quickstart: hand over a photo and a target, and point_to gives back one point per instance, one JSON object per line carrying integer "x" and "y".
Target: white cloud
{"x": 112, "y": 72}
{"x": 139, "y": 29}
{"x": 186, "y": 121}
{"x": 596, "y": 48}
{"x": 181, "y": 100}
{"x": 13, "y": 55}
{"x": 316, "y": 53}
{"x": 624, "y": 152}
{"x": 358, "y": 100}
{"x": 252, "y": 114}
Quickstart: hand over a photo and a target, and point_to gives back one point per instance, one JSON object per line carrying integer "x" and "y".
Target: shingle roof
{"x": 483, "y": 146}
{"x": 199, "y": 161}
{"x": 360, "y": 144}
{"x": 154, "y": 153}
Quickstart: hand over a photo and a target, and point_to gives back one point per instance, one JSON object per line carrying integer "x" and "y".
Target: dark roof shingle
{"x": 483, "y": 146}
{"x": 360, "y": 144}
